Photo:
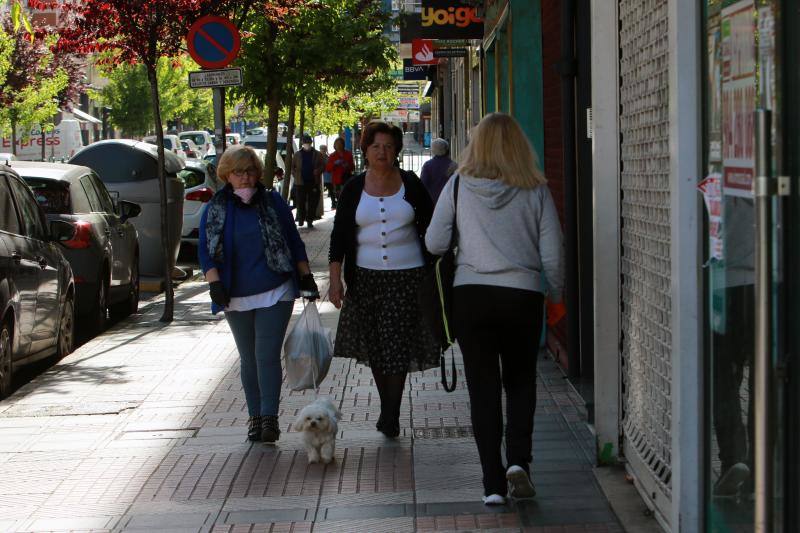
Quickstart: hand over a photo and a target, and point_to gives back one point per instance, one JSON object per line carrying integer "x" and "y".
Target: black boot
{"x": 270, "y": 430}
{"x": 254, "y": 428}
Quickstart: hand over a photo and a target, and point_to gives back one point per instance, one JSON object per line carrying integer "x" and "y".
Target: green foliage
{"x": 330, "y": 45}
{"x": 30, "y": 79}
{"x": 128, "y": 95}
{"x": 337, "y": 109}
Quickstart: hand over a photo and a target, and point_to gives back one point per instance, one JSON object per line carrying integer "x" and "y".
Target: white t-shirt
{"x": 281, "y": 293}
{"x": 386, "y": 234}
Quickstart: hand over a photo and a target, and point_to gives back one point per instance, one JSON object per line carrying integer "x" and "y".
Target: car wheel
{"x": 5, "y": 360}
{"x": 66, "y": 329}
{"x": 100, "y": 312}
{"x": 129, "y": 305}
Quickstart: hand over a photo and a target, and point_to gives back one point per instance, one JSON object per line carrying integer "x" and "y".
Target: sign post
{"x": 214, "y": 42}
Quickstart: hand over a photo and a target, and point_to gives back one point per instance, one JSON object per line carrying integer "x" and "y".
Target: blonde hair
{"x": 499, "y": 149}
{"x": 238, "y": 157}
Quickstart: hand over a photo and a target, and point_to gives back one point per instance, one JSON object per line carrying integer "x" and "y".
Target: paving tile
{"x": 144, "y": 429}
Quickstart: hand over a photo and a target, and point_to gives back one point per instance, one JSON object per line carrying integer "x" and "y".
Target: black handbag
{"x": 436, "y": 298}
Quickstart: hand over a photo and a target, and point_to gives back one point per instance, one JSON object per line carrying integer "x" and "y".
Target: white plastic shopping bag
{"x": 308, "y": 350}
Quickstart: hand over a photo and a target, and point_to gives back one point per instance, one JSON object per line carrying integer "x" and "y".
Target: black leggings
{"x": 498, "y": 330}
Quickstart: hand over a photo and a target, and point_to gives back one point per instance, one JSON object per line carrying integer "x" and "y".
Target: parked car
{"x": 171, "y": 143}
{"x": 259, "y": 140}
{"x": 233, "y": 138}
{"x": 104, "y": 253}
{"x": 200, "y": 185}
{"x": 202, "y": 139}
{"x": 130, "y": 169}
{"x": 190, "y": 149}
{"x": 37, "y": 291}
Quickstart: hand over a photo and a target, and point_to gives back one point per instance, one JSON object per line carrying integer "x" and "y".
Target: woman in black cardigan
{"x": 379, "y": 236}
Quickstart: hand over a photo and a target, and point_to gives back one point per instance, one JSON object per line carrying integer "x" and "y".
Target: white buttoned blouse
{"x": 386, "y": 233}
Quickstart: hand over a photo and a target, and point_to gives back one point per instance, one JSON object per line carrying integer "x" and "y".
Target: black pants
{"x": 498, "y": 330}
{"x": 307, "y": 197}
{"x": 733, "y": 351}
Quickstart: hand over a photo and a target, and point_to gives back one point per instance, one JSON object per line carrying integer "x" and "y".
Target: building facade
{"x": 668, "y": 131}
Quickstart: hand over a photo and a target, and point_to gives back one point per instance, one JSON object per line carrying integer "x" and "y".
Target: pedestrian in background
{"x": 378, "y": 234}
{"x": 509, "y": 250}
{"x": 327, "y": 176}
{"x": 437, "y": 170}
{"x": 256, "y": 265}
{"x": 340, "y": 165}
{"x": 307, "y": 169}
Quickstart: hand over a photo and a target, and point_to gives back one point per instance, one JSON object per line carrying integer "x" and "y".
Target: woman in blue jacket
{"x": 256, "y": 266}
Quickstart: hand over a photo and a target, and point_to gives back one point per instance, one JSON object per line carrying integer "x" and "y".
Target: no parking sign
{"x": 213, "y": 41}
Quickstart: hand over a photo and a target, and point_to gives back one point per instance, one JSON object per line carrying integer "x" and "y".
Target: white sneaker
{"x": 520, "y": 483}
{"x": 494, "y": 499}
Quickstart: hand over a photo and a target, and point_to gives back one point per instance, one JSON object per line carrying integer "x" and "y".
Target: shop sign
{"x": 410, "y": 26}
{"x": 422, "y": 52}
{"x": 401, "y": 115}
{"x": 414, "y": 72}
{"x": 450, "y": 52}
{"x": 449, "y": 19}
{"x": 408, "y": 102}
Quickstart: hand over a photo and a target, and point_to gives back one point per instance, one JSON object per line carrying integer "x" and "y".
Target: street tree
{"x": 128, "y": 96}
{"x": 141, "y": 32}
{"x": 33, "y": 82}
{"x": 314, "y": 48}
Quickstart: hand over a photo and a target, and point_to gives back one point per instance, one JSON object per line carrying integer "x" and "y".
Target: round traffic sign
{"x": 213, "y": 41}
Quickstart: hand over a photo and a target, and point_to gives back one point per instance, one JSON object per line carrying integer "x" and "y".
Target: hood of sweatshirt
{"x": 493, "y": 193}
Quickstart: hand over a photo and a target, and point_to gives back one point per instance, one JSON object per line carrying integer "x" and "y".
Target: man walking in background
{"x": 307, "y": 167}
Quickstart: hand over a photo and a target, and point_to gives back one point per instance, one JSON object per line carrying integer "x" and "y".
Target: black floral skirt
{"x": 381, "y": 326}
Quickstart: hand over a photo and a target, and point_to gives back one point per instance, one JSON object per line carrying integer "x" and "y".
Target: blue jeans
{"x": 259, "y": 337}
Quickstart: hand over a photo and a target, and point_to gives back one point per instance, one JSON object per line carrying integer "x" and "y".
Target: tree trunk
{"x": 169, "y": 303}
{"x": 289, "y": 149}
{"x": 302, "y": 119}
{"x": 13, "y": 135}
{"x": 273, "y": 107}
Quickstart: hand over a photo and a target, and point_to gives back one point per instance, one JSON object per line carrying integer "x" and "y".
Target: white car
{"x": 202, "y": 139}
{"x": 200, "y": 185}
{"x": 190, "y": 149}
{"x": 171, "y": 143}
{"x": 5, "y": 158}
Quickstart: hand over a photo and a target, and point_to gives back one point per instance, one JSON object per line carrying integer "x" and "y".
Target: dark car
{"x": 37, "y": 291}
{"x": 104, "y": 252}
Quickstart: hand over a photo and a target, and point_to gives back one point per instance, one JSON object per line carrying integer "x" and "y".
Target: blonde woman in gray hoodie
{"x": 509, "y": 257}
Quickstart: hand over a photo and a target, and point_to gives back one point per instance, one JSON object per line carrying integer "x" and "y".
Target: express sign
{"x": 449, "y": 19}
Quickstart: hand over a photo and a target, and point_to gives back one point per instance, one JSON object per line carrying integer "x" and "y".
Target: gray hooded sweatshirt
{"x": 507, "y": 236}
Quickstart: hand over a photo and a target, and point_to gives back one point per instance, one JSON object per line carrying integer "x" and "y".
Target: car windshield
{"x": 52, "y": 195}
{"x": 191, "y": 178}
{"x": 168, "y": 144}
{"x": 198, "y": 139}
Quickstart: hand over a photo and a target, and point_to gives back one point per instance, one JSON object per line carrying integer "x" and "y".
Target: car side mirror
{"x": 128, "y": 210}
{"x": 61, "y": 231}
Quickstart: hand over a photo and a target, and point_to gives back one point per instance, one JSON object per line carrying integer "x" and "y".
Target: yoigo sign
{"x": 449, "y": 19}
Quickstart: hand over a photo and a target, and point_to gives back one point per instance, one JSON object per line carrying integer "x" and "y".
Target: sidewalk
{"x": 144, "y": 428}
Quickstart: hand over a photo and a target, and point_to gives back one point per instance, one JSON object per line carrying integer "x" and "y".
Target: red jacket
{"x": 341, "y": 170}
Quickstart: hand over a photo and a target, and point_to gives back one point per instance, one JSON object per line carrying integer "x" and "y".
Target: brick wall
{"x": 552, "y": 159}
{"x": 551, "y": 55}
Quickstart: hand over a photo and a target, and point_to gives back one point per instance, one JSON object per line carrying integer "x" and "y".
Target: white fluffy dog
{"x": 319, "y": 423}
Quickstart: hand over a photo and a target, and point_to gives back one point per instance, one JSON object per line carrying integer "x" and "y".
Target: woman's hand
{"x": 336, "y": 292}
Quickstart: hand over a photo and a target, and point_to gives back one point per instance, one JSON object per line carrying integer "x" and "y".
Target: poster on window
{"x": 738, "y": 98}
{"x": 714, "y": 93}
{"x": 711, "y": 188}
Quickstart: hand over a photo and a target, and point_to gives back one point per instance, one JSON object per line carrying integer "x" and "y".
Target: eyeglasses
{"x": 251, "y": 171}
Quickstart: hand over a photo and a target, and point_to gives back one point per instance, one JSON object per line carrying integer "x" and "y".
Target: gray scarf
{"x": 279, "y": 258}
